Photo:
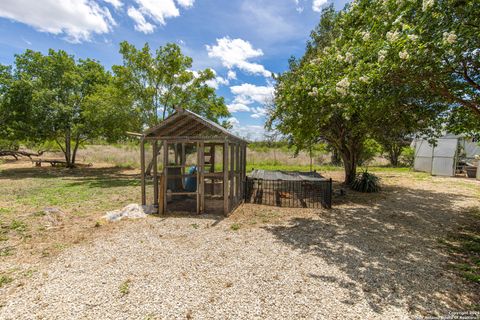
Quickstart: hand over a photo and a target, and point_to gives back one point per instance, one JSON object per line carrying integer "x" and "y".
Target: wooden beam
{"x": 201, "y": 185}
{"x": 142, "y": 168}
{"x": 183, "y": 163}
{"x": 190, "y": 139}
{"x": 165, "y": 122}
{"x": 155, "y": 174}
{"x": 198, "y": 178}
{"x": 165, "y": 175}
{"x": 232, "y": 175}
{"x": 225, "y": 179}
{"x": 244, "y": 169}
{"x": 134, "y": 134}
{"x": 237, "y": 171}
{"x": 176, "y": 126}
{"x": 192, "y": 131}
{"x": 212, "y": 158}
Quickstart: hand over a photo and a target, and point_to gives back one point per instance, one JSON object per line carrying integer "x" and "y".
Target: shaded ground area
{"x": 376, "y": 256}
{"x": 391, "y": 252}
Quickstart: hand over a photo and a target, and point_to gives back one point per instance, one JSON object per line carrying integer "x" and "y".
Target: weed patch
{"x": 4, "y": 279}
{"x": 125, "y": 287}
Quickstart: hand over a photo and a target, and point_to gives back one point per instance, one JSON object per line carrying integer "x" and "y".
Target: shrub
{"x": 407, "y": 157}
{"x": 9, "y": 145}
{"x": 371, "y": 149}
{"x": 366, "y": 182}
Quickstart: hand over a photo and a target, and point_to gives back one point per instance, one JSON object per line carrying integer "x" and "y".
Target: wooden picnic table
{"x": 52, "y": 162}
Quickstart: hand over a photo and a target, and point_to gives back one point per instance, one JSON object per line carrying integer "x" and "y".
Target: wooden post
{"x": 212, "y": 158}
{"x": 161, "y": 198}
{"x": 142, "y": 168}
{"x": 225, "y": 179}
{"x": 176, "y": 153}
{"x": 183, "y": 162}
{"x": 237, "y": 172}
{"x": 244, "y": 169}
{"x": 165, "y": 175}
{"x": 232, "y": 175}
{"x": 201, "y": 180}
{"x": 155, "y": 174}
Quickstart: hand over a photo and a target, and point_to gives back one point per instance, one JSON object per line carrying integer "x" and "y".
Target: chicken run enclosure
{"x": 288, "y": 189}
{"x": 196, "y": 165}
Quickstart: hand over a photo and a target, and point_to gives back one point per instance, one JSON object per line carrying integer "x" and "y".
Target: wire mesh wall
{"x": 293, "y": 194}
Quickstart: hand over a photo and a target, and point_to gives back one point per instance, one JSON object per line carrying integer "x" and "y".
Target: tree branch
{"x": 468, "y": 79}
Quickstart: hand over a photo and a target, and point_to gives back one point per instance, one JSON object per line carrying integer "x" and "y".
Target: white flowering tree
{"x": 315, "y": 99}
{"x": 432, "y": 45}
{"x": 370, "y": 72}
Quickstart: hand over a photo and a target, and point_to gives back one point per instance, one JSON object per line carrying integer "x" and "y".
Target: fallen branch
{"x": 17, "y": 154}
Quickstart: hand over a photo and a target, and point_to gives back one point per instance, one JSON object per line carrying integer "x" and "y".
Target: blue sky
{"x": 243, "y": 41}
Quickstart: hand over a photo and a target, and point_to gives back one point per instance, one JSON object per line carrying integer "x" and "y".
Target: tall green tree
{"x": 55, "y": 97}
{"x": 338, "y": 93}
{"x": 162, "y": 80}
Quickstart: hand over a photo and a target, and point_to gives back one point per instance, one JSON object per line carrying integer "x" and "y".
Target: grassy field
{"x": 44, "y": 211}
{"x": 128, "y": 156}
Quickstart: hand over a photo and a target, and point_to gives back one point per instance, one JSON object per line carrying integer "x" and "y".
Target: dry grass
{"x": 128, "y": 156}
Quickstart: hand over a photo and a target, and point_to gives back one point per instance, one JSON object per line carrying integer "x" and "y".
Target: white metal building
{"x": 441, "y": 159}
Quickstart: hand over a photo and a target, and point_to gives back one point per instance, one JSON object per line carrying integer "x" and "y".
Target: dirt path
{"x": 375, "y": 257}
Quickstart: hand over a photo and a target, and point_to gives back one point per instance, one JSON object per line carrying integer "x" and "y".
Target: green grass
{"x": 235, "y": 226}
{"x": 5, "y": 210}
{"x": 4, "y": 279}
{"x": 125, "y": 287}
{"x": 18, "y": 226}
{"x": 69, "y": 192}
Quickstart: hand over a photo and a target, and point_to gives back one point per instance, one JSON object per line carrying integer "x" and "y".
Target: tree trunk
{"x": 68, "y": 149}
{"x": 394, "y": 156}
{"x": 75, "y": 149}
{"x": 350, "y": 167}
{"x": 335, "y": 157}
{"x": 394, "y": 152}
{"x": 350, "y": 151}
{"x": 393, "y": 159}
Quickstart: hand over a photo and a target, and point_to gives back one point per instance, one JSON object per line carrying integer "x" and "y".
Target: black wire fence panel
{"x": 292, "y": 194}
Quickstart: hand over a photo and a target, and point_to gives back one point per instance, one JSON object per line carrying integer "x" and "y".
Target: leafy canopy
{"x": 158, "y": 82}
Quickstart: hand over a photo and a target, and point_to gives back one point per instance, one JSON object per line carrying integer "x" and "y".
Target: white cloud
{"x": 217, "y": 81}
{"x": 233, "y": 121}
{"x": 247, "y": 93}
{"x": 140, "y": 23}
{"x": 317, "y": 5}
{"x": 250, "y": 132}
{"x": 117, "y": 4}
{"x": 232, "y": 75}
{"x": 76, "y": 19}
{"x": 258, "y": 112}
{"x": 235, "y": 53}
{"x": 237, "y": 107}
{"x": 157, "y": 11}
{"x": 298, "y": 8}
{"x": 186, "y": 3}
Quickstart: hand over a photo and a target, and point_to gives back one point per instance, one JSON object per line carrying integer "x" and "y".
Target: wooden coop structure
{"x": 196, "y": 165}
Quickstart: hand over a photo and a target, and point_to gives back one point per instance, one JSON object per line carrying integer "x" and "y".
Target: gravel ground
{"x": 375, "y": 260}
{"x": 177, "y": 271}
